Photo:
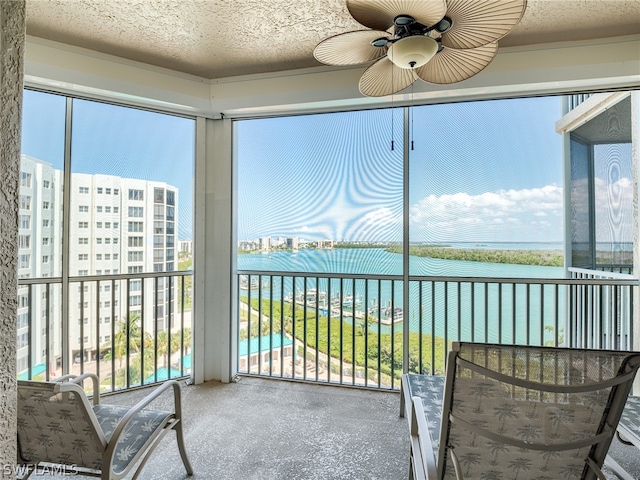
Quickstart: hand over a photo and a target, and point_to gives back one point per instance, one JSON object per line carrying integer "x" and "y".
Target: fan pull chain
{"x": 411, "y": 115}
{"x": 392, "y": 115}
{"x": 392, "y": 122}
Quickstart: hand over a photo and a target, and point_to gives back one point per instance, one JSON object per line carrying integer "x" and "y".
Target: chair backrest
{"x": 56, "y": 424}
{"x": 517, "y": 412}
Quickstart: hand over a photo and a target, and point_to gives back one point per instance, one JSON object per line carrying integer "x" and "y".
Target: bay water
{"x": 508, "y": 313}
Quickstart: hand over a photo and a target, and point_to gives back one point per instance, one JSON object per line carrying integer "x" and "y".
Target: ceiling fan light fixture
{"x": 412, "y": 52}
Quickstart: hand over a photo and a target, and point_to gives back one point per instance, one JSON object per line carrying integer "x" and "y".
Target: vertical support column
{"x": 214, "y": 244}
{"x": 199, "y": 252}
{"x": 635, "y": 162}
{"x": 65, "y": 354}
{"x": 12, "y": 40}
{"x": 405, "y": 242}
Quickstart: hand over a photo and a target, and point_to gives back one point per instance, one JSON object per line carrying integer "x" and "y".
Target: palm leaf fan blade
{"x": 480, "y": 22}
{"x": 384, "y": 78}
{"x": 379, "y": 14}
{"x": 451, "y": 65}
{"x": 351, "y": 48}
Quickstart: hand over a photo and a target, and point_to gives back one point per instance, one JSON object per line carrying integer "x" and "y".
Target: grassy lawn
{"x": 358, "y": 347}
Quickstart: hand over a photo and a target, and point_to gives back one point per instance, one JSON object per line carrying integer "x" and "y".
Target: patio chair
{"x": 628, "y": 434}
{"x": 57, "y": 425}
{"x": 516, "y": 412}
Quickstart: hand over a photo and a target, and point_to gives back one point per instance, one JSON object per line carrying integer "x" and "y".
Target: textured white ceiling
{"x": 222, "y": 38}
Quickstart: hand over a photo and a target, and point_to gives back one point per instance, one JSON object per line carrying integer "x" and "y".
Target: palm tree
{"x": 122, "y": 340}
{"x": 482, "y": 390}
{"x": 561, "y": 415}
{"x": 528, "y": 432}
{"x": 469, "y": 459}
{"x": 548, "y": 455}
{"x": 45, "y": 441}
{"x": 504, "y": 412}
{"x": 176, "y": 342}
{"x": 496, "y": 448}
{"x": 478, "y": 423}
{"x": 520, "y": 464}
{"x": 491, "y": 475}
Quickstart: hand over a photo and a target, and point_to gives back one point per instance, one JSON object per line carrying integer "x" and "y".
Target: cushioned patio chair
{"x": 515, "y": 413}
{"x": 57, "y": 425}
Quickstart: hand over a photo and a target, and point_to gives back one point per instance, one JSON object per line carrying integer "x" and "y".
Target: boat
{"x": 392, "y": 315}
{"x": 244, "y": 283}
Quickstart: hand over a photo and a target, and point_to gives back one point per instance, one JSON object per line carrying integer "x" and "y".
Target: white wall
{"x": 558, "y": 67}
{"x": 12, "y": 30}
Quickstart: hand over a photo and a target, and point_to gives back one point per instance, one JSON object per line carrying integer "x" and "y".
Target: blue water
{"x": 453, "y": 316}
{"x": 376, "y": 261}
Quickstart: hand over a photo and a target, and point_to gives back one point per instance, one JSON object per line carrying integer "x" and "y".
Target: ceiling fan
{"x": 438, "y": 41}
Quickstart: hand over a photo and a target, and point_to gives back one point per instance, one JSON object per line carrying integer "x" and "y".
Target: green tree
{"x": 128, "y": 335}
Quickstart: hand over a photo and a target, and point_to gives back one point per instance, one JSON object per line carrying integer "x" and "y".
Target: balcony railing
{"x": 602, "y": 314}
{"x": 574, "y": 100}
{"x": 130, "y": 330}
{"x": 353, "y": 330}
{"x": 342, "y": 329}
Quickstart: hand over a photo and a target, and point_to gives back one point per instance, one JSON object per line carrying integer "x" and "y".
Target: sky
{"x": 483, "y": 171}
{"x": 114, "y": 140}
{"x": 479, "y": 171}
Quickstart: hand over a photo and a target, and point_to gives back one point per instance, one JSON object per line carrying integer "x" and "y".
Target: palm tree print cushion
{"x": 630, "y": 421}
{"x": 507, "y": 410}
{"x": 56, "y": 428}
{"x": 431, "y": 390}
{"x": 135, "y": 436}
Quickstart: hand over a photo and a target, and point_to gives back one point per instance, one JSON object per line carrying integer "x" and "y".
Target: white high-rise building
{"x": 117, "y": 226}
{"x": 39, "y": 256}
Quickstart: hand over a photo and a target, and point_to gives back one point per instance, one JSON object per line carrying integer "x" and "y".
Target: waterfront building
{"x": 265, "y": 244}
{"x": 185, "y": 246}
{"x": 324, "y": 244}
{"x": 39, "y": 256}
{"x": 120, "y": 225}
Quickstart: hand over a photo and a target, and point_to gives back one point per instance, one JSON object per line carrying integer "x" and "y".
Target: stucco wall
{"x": 12, "y": 38}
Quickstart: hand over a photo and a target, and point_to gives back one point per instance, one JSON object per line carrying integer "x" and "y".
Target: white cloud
{"x": 505, "y": 215}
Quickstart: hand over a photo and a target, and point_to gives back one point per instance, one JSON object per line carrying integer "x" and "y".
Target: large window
{"x": 120, "y": 157}
{"x": 41, "y": 179}
{"x": 476, "y": 192}
{"x": 485, "y": 176}
{"x": 313, "y": 187}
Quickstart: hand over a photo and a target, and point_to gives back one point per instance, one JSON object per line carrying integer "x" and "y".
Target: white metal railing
{"x": 602, "y": 314}
{"x": 129, "y": 329}
{"x": 352, "y": 330}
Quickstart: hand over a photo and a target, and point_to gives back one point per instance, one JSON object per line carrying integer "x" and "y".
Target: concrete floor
{"x": 262, "y": 429}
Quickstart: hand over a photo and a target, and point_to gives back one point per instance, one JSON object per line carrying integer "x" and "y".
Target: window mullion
{"x": 66, "y": 244}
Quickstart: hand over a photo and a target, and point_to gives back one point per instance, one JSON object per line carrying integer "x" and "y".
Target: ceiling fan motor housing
{"x": 413, "y": 51}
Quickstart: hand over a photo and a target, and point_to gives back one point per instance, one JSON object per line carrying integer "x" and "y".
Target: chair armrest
{"x": 405, "y": 395}
{"x": 79, "y": 380}
{"x": 421, "y": 438}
